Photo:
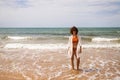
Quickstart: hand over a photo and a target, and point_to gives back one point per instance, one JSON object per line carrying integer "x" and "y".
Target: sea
{"x": 57, "y": 38}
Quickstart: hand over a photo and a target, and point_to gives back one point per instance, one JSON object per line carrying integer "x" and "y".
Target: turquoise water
{"x": 58, "y": 35}
{"x": 103, "y": 32}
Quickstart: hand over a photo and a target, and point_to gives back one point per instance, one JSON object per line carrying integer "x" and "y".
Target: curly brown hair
{"x": 74, "y": 28}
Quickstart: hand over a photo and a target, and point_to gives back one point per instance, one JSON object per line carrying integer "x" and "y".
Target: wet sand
{"x": 27, "y": 64}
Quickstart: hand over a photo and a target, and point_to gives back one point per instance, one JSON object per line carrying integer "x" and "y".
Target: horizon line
{"x": 62, "y": 27}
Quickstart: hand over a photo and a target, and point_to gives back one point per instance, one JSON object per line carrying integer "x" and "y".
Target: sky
{"x": 59, "y": 13}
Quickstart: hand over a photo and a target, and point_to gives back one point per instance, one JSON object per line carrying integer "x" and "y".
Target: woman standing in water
{"x": 74, "y": 47}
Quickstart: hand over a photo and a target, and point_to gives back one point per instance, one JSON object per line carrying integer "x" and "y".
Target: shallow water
{"x": 27, "y": 64}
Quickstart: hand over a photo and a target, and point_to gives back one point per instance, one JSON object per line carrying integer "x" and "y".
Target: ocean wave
{"x": 35, "y": 46}
{"x": 101, "y": 45}
{"x": 99, "y": 39}
{"x": 18, "y": 37}
{"x": 86, "y": 38}
{"x": 118, "y": 31}
{"x": 40, "y": 37}
{"x": 56, "y": 46}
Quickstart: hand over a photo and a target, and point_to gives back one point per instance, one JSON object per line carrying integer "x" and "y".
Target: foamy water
{"x": 19, "y": 37}
{"x": 57, "y": 42}
{"x": 57, "y": 46}
{"x": 35, "y": 64}
{"x": 36, "y": 46}
{"x": 100, "y": 39}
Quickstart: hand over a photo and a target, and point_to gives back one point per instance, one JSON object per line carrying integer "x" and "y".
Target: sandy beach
{"x": 28, "y": 64}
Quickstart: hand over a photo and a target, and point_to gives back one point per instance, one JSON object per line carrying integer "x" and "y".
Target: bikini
{"x": 75, "y": 42}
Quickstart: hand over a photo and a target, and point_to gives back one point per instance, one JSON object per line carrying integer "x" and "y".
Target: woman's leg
{"x": 72, "y": 61}
{"x": 75, "y": 55}
{"x": 78, "y": 63}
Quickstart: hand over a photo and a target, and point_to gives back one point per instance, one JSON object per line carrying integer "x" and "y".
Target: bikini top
{"x": 75, "y": 39}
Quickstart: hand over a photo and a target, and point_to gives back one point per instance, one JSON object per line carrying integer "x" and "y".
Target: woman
{"x": 74, "y": 47}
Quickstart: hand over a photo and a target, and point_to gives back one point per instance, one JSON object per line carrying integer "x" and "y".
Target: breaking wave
{"x": 99, "y": 39}
{"x": 18, "y": 37}
{"x": 56, "y": 46}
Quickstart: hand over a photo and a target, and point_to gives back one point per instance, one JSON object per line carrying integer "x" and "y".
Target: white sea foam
{"x": 18, "y": 37}
{"x": 101, "y": 45}
{"x": 35, "y": 46}
{"x": 56, "y": 46}
{"x": 102, "y": 63}
{"x": 99, "y": 39}
{"x": 58, "y": 73}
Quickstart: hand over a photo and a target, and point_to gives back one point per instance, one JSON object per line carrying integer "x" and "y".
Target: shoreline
{"x": 28, "y": 64}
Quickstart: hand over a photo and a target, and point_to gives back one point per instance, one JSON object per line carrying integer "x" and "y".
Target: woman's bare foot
{"x": 79, "y": 70}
